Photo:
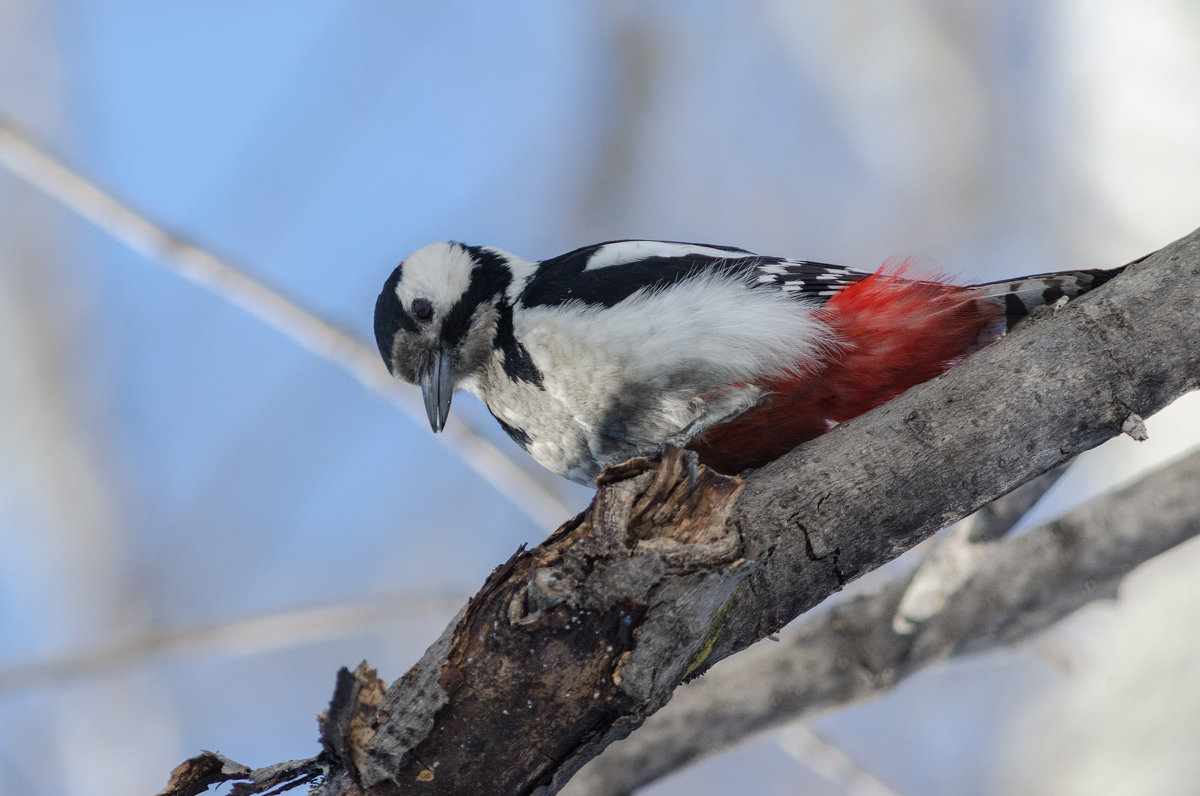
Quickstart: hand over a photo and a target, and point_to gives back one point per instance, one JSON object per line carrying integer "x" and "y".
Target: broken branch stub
{"x": 567, "y": 646}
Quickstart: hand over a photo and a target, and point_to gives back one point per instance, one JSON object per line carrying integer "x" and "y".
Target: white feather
{"x": 713, "y": 325}
{"x": 439, "y": 272}
{"x": 627, "y": 251}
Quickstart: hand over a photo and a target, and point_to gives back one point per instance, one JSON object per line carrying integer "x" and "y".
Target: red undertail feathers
{"x": 894, "y": 332}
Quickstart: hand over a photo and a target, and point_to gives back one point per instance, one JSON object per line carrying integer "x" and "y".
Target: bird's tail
{"x": 895, "y": 333}
{"x": 1025, "y": 294}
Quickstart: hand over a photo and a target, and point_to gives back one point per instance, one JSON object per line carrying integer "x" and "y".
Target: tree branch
{"x": 234, "y": 284}
{"x": 850, "y": 652}
{"x": 955, "y": 555}
{"x": 570, "y": 646}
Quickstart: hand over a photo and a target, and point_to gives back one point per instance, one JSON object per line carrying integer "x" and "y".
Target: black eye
{"x": 422, "y": 310}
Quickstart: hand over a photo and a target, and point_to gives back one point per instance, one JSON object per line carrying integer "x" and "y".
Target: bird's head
{"x": 435, "y": 320}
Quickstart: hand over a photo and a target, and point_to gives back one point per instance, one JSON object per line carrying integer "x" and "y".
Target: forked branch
{"x": 570, "y": 646}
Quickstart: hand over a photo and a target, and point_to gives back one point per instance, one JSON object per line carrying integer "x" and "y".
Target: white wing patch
{"x": 626, "y": 251}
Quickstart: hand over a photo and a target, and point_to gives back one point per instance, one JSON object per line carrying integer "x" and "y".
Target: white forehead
{"x": 439, "y": 272}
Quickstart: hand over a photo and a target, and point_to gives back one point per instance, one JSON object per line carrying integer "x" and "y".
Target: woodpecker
{"x": 616, "y": 349}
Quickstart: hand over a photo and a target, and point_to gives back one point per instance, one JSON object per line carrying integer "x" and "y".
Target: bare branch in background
{"x": 954, "y": 556}
{"x": 572, "y": 645}
{"x": 813, "y": 751}
{"x": 850, "y": 652}
{"x": 537, "y": 500}
{"x": 251, "y": 635}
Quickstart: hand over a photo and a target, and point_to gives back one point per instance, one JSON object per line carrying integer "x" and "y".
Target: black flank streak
{"x": 390, "y": 316}
{"x": 518, "y": 365}
{"x": 489, "y": 278}
{"x": 518, "y": 435}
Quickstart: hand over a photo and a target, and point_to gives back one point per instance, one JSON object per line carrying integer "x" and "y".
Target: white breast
{"x": 623, "y": 378}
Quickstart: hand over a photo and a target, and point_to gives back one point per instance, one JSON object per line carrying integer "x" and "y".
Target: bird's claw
{"x": 690, "y": 462}
{"x": 669, "y": 450}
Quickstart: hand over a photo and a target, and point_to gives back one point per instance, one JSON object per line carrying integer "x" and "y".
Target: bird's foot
{"x": 666, "y": 456}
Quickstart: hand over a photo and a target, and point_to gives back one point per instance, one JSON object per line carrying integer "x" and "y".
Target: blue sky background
{"x": 169, "y": 462}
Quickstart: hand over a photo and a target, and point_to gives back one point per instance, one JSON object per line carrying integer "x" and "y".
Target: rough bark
{"x": 570, "y": 646}
{"x": 851, "y": 653}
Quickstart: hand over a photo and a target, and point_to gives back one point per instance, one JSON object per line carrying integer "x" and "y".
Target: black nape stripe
{"x": 485, "y": 257}
{"x": 518, "y": 365}
{"x": 390, "y": 316}
{"x": 489, "y": 278}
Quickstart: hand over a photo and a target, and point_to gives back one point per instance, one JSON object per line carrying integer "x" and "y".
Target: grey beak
{"x": 437, "y": 385}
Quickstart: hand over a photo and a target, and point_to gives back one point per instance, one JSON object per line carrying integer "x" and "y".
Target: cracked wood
{"x": 697, "y": 587}
{"x": 863, "y": 493}
{"x": 566, "y": 643}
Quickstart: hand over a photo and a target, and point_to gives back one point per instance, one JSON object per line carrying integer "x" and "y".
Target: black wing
{"x": 607, "y": 273}
{"x": 610, "y": 272}
{"x": 807, "y": 279}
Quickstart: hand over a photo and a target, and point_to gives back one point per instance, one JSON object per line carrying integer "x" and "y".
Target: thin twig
{"x": 239, "y": 636}
{"x": 945, "y": 568}
{"x": 849, "y": 652}
{"x": 835, "y": 766}
{"x": 21, "y": 157}
{"x": 954, "y": 555}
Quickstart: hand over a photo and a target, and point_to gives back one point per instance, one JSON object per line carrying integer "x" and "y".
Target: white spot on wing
{"x": 818, "y": 280}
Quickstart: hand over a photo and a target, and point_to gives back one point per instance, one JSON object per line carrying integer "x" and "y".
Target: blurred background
{"x": 200, "y": 520}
